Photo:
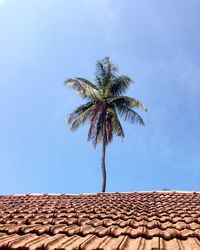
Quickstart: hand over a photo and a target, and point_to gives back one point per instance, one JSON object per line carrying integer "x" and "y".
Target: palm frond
{"x": 119, "y": 85}
{"x": 84, "y": 87}
{"x": 78, "y": 111}
{"x": 105, "y": 72}
{"x": 104, "y": 66}
{"x": 80, "y": 120}
{"x": 126, "y": 101}
{"x": 117, "y": 128}
{"x": 130, "y": 115}
{"x": 100, "y": 70}
{"x": 105, "y": 86}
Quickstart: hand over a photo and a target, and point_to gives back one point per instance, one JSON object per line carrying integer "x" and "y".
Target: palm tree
{"x": 105, "y": 104}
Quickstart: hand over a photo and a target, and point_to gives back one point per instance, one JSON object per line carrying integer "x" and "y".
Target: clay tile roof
{"x": 158, "y": 220}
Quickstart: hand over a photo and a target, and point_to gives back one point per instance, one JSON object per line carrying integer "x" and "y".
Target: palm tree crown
{"x": 105, "y": 104}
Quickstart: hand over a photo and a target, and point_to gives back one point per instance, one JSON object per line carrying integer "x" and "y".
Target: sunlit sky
{"x": 42, "y": 43}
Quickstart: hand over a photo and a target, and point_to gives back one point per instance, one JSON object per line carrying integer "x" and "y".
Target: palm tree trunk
{"x": 103, "y": 166}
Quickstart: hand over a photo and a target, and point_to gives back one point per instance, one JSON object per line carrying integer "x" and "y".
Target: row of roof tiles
{"x": 115, "y": 231}
{"x": 63, "y": 242}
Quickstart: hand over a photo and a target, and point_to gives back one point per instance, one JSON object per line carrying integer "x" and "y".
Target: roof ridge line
{"x": 151, "y": 191}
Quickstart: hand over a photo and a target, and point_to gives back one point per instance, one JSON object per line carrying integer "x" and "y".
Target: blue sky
{"x": 42, "y": 43}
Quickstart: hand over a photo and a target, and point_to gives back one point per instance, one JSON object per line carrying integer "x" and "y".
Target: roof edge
{"x": 152, "y": 191}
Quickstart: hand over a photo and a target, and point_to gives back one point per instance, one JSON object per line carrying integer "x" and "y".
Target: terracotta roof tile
{"x": 138, "y": 220}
